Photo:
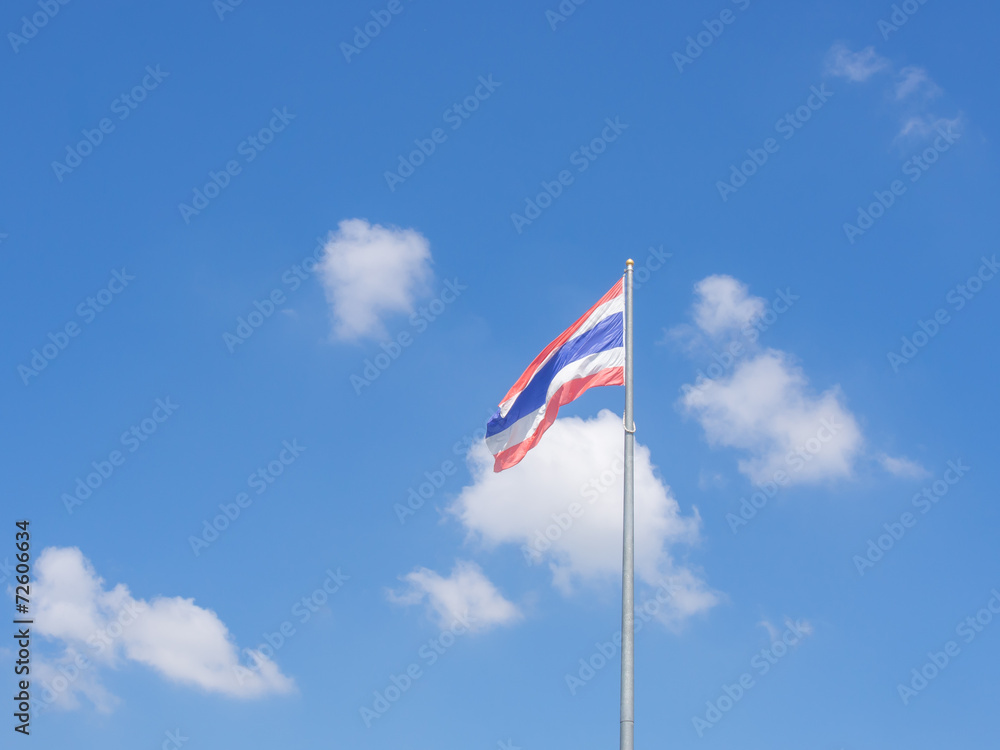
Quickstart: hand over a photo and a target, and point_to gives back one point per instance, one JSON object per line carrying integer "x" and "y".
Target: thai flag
{"x": 589, "y": 353}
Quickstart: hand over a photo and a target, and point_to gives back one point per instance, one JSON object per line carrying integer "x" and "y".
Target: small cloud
{"x": 912, "y": 84}
{"x": 723, "y": 305}
{"x": 918, "y": 126}
{"x": 903, "y": 467}
{"x": 371, "y": 271}
{"x": 797, "y": 628}
{"x": 722, "y": 308}
{"x": 765, "y": 409}
{"x": 911, "y": 79}
{"x": 854, "y": 66}
{"x": 51, "y": 674}
{"x": 467, "y": 596}
{"x": 173, "y": 636}
{"x": 922, "y": 126}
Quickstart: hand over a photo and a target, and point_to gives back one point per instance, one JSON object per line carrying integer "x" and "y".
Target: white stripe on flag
{"x": 525, "y": 427}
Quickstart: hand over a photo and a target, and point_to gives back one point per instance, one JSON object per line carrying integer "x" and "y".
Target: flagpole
{"x": 628, "y": 552}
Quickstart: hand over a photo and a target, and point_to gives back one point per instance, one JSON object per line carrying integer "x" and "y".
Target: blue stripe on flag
{"x": 608, "y": 334}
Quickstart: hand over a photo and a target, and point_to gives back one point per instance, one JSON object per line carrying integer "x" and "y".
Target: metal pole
{"x": 628, "y": 553}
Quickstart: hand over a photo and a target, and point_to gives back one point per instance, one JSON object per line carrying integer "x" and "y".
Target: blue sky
{"x": 220, "y": 221}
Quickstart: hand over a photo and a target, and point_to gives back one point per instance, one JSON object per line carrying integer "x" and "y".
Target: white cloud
{"x": 903, "y": 467}
{"x": 921, "y": 126}
{"x": 918, "y": 125}
{"x": 688, "y": 596}
{"x": 371, "y": 271}
{"x": 765, "y": 409}
{"x": 911, "y": 79}
{"x": 467, "y": 596}
{"x": 63, "y": 681}
{"x": 854, "y": 66}
{"x": 760, "y": 401}
{"x": 172, "y": 635}
{"x": 563, "y": 504}
{"x": 724, "y": 305}
{"x": 794, "y": 627}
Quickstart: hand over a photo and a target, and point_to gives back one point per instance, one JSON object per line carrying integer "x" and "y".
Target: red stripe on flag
{"x": 567, "y": 392}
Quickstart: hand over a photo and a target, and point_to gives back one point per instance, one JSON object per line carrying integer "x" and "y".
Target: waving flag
{"x": 589, "y": 353}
